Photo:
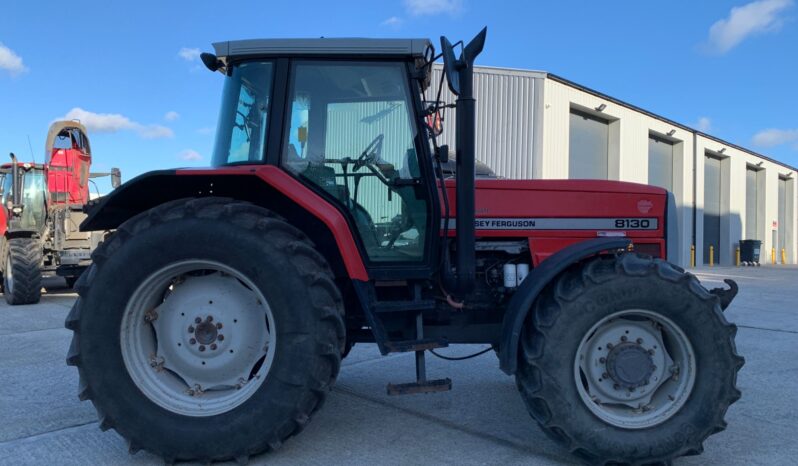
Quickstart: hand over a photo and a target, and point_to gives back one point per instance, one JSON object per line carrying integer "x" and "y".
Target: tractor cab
{"x": 27, "y": 209}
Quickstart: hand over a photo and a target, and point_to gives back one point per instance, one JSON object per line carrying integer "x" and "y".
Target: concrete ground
{"x": 481, "y": 421}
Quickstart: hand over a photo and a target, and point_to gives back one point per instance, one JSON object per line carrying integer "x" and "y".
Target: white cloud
{"x": 206, "y": 130}
{"x": 189, "y": 155}
{"x": 115, "y": 122}
{"x": 704, "y": 124}
{"x": 10, "y": 61}
{"x": 188, "y": 54}
{"x": 433, "y": 7}
{"x": 393, "y": 21}
{"x": 752, "y": 18}
{"x": 171, "y": 116}
{"x": 775, "y": 137}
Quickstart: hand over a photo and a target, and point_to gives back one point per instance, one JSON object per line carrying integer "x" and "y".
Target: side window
{"x": 352, "y": 135}
{"x": 243, "y": 119}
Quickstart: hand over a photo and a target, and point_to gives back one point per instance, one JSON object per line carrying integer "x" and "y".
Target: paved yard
{"x": 481, "y": 421}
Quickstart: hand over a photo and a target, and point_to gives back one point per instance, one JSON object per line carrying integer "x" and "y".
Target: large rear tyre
{"x": 221, "y": 341}
{"x": 22, "y": 276}
{"x": 628, "y": 360}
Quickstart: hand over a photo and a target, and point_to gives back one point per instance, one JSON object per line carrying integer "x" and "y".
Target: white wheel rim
{"x": 197, "y": 338}
{"x": 664, "y": 383}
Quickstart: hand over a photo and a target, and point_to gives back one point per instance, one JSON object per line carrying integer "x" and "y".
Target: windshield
{"x": 33, "y": 198}
{"x": 243, "y": 118}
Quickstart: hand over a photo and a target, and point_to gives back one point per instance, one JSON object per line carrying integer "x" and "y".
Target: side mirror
{"x": 442, "y": 154}
{"x": 435, "y": 123}
{"x": 450, "y": 66}
{"x": 116, "y": 178}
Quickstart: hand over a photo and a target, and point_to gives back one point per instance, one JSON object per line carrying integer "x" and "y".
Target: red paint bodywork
{"x": 496, "y": 199}
{"x": 68, "y": 176}
{"x": 566, "y": 199}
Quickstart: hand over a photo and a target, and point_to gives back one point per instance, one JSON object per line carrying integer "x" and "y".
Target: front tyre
{"x": 222, "y": 339}
{"x": 628, "y": 360}
{"x": 22, "y": 276}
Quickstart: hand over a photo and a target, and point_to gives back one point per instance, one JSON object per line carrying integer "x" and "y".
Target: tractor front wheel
{"x": 221, "y": 339}
{"x": 628, "y": 360}
{"x": 22, "y": 273}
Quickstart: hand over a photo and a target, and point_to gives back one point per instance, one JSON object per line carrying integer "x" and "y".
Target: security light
{"x": 722, "y": 150}
{"x": 759, "y": 164}
{"x": 671, "y": 132}
{"x": 601, "y": 107}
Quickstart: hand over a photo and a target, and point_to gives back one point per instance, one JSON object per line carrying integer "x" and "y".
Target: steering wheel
{"x": 370, "y": 154}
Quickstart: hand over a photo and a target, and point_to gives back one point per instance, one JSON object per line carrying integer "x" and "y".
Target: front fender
{"x": 533, "y": 284}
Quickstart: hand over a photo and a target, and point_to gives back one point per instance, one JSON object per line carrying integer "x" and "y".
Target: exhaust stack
{"x": 460, "y": 77}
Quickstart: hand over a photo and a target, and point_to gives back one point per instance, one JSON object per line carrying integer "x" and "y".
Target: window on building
{"x": 751, "y": 203}
{"x": 588, "y": 146}
{"x": 660, "y": 162}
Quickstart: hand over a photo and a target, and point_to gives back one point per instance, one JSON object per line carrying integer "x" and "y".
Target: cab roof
{"x": 394, "y": 48}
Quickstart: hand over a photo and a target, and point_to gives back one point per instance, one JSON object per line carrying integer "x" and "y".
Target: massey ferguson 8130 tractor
{"x": 212, "y": 323}
{"x": 42, "y": 208}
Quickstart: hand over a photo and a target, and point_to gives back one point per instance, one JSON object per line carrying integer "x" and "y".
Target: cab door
{"x": 352, "y": 136}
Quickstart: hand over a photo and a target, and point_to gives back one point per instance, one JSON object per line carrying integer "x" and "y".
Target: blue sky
{"x": 131, "y": 72}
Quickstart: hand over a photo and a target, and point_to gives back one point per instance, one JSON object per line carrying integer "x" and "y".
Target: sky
{"x": 131, "y": 73}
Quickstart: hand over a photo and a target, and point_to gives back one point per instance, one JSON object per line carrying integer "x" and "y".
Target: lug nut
{"x": 193, "y": 341}
{"x": 639, "y": 341}
{"x": 623, "y": 338}
{"x": 616, "y": 386}
{"x": 190, "y": 329}
{"x": 605, "y": 375}
{"x": 197, "y": 320}
{"x": 609, "y": 345}
{"x": 219, "y": 325}
{"x": 220, "y": 337}
{"x": 602, "y": 360}
{"x": 651, "y": 352}
{"x": 209, "y": 319}
{"x": 202, "y": 348}
{"x": 213, "y": 346}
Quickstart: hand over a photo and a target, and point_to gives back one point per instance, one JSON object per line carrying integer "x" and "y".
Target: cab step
{"x": 420, "y": 345}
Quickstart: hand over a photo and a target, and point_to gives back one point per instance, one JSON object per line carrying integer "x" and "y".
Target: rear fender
{"x": 523, "y": 299}
{"x": 266, "y": 186}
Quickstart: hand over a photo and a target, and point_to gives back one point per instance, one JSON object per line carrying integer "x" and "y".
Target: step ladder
{"x": 419, "y": 346}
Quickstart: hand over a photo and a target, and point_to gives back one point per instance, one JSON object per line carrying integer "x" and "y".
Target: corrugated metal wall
{"x": 505, "y": 118}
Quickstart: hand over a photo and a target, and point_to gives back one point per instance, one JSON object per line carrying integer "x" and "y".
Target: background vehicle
{"x": 41, "y": 214}
{"x": 327, "y": 220}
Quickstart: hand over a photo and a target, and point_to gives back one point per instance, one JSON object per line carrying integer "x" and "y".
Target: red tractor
{"x": 42, "y": 210}
{"x": 211, "y": 325}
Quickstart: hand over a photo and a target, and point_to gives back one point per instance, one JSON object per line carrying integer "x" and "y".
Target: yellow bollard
{"x": 773, "y": 255}
{"x": 711, "y": 256}
{"x": 692, "y": 255}
{"x": 783, "y": 256}
{"x": 738, "y": 257}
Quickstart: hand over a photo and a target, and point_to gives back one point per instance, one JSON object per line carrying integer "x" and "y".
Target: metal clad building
{"x": 532, "y": 124}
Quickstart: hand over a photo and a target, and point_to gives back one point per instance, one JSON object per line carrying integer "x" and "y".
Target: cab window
{"x": 243, "y": 118}
{"x": 352, "y": 135}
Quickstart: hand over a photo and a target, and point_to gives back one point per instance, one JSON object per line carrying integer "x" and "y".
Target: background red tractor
{"x": 42, "y": 210}
{"x": 327, "y": 220}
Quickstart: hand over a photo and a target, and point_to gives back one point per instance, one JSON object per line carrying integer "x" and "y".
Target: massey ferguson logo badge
{"x": 644, "y": 206}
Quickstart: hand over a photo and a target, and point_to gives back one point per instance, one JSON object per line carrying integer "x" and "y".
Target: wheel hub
{"x": 206, "y": 332}
{"x": 630, "y": 365}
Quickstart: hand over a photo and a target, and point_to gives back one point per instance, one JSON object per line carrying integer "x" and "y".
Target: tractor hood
{"x": 566, "y": 210}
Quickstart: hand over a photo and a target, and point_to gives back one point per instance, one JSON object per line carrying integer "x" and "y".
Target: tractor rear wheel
{"x": 222, "y": 339}
{"x": 628, "y": 360}
{"x": 22, "y": 275}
